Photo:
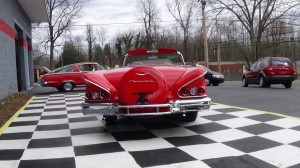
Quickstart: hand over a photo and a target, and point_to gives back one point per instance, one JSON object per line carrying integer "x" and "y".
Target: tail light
{"x": 201, "y": 91}
{"x": 270, "y": 71}
{"x": 194, "y": 88}
{"x": 96, "y": 93}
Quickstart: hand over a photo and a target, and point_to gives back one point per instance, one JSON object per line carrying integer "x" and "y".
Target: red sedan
{"x": 68, "y": 77}
{"x": 42, "y": 71}
{"x": 150, "y": 83}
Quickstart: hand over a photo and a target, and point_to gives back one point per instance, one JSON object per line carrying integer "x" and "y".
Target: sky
{"x": 109, "y": 14}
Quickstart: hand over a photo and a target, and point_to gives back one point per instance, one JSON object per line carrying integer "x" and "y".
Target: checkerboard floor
{"x": 52, "y": 132}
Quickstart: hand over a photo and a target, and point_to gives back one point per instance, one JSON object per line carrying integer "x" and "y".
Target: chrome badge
{"x": 141, "y": 81}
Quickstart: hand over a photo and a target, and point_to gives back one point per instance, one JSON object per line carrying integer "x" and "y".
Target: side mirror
{"x": 248, "y": 68}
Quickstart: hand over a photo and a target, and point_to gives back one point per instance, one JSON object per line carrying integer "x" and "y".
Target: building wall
{"x": 12, "y": 16}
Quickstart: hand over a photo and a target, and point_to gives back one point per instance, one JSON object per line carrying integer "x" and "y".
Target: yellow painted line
{"x": 3, "y": 128}
{"x": 260, "y": 111}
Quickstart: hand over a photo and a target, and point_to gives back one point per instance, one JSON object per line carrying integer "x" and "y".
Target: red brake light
{"x": 194, "y": 88}
{"x": 201, "y": 91}
{"x": 104, "y": 95}
{"x": 184, "y": 91}
{"x": 95, "y": 93}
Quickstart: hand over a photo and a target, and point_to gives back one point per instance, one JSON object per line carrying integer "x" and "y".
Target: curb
{"x": 260, "y": 111}
{"x": 3, "y": 128}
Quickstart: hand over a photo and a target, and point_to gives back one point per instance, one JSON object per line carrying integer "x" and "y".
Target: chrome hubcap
{"x": 261, "y": 81}
{"x": 68, "y": 86}
{"x": 206, "y": 81}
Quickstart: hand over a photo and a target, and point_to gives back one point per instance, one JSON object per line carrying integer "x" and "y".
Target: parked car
{"x": 270, "y": 70}
{"x": 150, "y": 83}
{"x": 42, "y": 71}
{"x": 68, "y": 77}
{"x": 212, "y": 77}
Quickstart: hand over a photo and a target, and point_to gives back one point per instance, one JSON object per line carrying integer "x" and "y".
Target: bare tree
{"x": 257, "y": 15}
{"x": 183, "y": 12}
{"x": 101, "y": 36}
{"x": 124, "y": 43}
{"x": 149, "y": 15}
{"x": 61, "y": 14}
{"x": 128, "y": 39}
{"x": 90, "y": 38}
{"x": 118, "y": 46}
{"x": 138, "y": 40}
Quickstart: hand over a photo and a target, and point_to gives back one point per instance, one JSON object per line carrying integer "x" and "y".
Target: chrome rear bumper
{"x": 175, "y": 107}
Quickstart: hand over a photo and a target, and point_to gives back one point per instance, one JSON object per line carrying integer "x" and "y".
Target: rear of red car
{"x": 279, "y": 70}
{"x": 153, "y": 83}
{"x": 270, "y": 70}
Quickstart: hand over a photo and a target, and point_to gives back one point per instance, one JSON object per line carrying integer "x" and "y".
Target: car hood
{"x": 216, "y": 73}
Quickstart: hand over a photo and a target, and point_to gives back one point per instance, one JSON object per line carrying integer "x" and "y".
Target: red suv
{"x": 270, "y": 70}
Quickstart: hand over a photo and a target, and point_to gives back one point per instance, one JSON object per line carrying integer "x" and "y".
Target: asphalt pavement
{"x": 275, "y": 99}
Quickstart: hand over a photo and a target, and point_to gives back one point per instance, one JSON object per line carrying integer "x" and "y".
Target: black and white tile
{"x": 52, "y": 132}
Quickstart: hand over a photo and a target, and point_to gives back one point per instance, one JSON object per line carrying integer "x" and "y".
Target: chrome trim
{"x": 178, "y": 106}
{"x": 152, "y": 51}
{"x": 80, "y": 85}
{"x": 125, "y": 57}
{"x": 140, "y": 74}
{"x": 99, "y": 87}
{"x": 188, "y": 84}
{"x": 64, "y": 72}
{"x": 182, "y": 58}
{"x": 69, "y": 81}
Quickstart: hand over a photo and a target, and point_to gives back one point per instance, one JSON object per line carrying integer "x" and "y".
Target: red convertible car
{"x": 67, "y": 77}
{"x": 150, "y": 83}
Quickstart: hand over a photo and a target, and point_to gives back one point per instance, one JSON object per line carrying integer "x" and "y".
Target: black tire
{"x": 110, "y": 120}
{"x": 191, "y": 116}
{"x": 262, "y": 81}
{"x": 215, "y": 83}
{"x": 244, "y": 82}
{"x": 67, "y": 87}
{"x": 288, "y": 85}
{"x": 59, "y": 89}
{"x": 268, "y": 84}
{"x": 207, "y": 82}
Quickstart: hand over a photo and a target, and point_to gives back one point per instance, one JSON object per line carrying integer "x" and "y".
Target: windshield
{"x": 281, "y": 62}
{"x": 153, "y": 59}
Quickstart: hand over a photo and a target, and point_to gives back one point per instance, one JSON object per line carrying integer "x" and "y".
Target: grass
{"x": 11, "y": 104}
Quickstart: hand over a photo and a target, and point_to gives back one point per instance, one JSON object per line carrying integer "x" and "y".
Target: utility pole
{"x": 218, "y": 46}
{"x": 109, "y": 55}
{"x": 203, "y": 2}
{"x": 294, "y": 54}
